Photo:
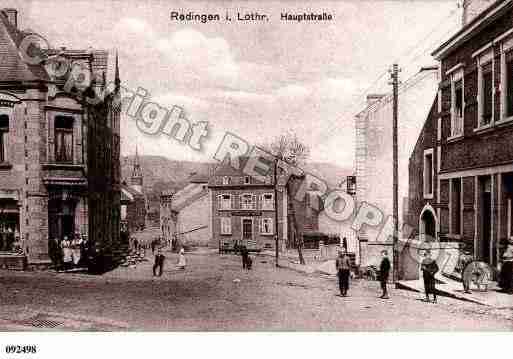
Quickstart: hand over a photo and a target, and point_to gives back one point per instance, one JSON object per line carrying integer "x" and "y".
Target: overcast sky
{"x": 253, "y": 79}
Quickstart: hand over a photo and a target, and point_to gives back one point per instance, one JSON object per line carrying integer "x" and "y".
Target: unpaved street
{"x": 214, "y": 294}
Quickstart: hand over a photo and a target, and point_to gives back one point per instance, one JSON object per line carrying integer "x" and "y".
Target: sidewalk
{"x": 451, "y": 288}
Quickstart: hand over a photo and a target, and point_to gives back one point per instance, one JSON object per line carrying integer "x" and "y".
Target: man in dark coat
{"x": 343, "y": 265}
{"x": 245, "y": 256}
{"x": 429, "y": 269}
{"x": 159, "y": 263}
{"x": 384, "y": 271}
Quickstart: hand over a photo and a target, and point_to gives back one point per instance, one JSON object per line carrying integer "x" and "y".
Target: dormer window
{"x": 226, "y": 180}
{"x": 4, "y": 132}
{"x": 247, "y": 179}
{"x": 64, "y": 139}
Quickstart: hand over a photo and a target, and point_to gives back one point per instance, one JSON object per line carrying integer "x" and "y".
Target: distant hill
{"x": 161, "y": 173}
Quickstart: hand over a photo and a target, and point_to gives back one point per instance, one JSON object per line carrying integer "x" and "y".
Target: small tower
{"x": 136, "y": 179}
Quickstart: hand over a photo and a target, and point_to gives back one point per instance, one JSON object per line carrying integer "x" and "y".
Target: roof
{"x": 130, "y": 193}
{"x": 496, "y": 9}
{"x": 188, "y": 197}
{"x": 199, "y": 178}
{"x": 12, "y": 66}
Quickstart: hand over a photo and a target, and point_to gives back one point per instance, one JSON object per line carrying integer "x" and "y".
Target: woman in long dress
{"x": 181, "y": 259}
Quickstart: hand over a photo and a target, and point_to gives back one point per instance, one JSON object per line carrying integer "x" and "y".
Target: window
{"x": 428, "y": 173}
{"x": 485, "y": 89}
{"x": 63, "y": 139}
{"x": 457, "y": 102}
{"x": 507, "y": 79}
{"x": 456, "y": 206}
{"x": 268, "y": 201}
{"x": 226, "y": 225}
{"x": 225, "y": 201}
{"x": 247, "y": 180}
{"x": 486, "y": 96}
{"x": 267, "y": 226}
{"x": 247, "y": 201}
{"x": 4, "y": 132}
{"x": 226, "y": 180}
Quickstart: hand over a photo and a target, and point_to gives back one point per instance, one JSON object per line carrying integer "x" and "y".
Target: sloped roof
{"x": 225, "y": 168}
{"x": 131, "y": 192}
{"x": 12, "y": 66}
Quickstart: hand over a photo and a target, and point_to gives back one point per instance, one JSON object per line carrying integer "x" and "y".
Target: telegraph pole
{"x": 276, "y": 234}
{"x": 394, "y": 75}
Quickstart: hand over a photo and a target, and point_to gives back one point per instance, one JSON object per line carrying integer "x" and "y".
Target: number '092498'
{"x": 21, "y": 349}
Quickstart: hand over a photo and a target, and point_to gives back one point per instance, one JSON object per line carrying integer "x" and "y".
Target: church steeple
{"x": 136, "y": 180}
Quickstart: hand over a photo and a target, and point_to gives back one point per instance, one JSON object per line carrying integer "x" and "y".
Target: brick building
{"x": 243, "y": 209}
{"x": 461, "y": 170}
{"x": 59, "y": 154}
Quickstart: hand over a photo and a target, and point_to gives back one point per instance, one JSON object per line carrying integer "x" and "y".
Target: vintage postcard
{"x": 255, "y": 166}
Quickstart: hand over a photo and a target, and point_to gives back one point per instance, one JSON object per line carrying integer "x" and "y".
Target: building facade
{"x": 167, "y": 216}
{"x": 243, "y": 209}
{"x": 461, "y": 170}
{"x": 373, "y": 156}
{"x": 192, "y": 211}
{"x": 59, "y": 153}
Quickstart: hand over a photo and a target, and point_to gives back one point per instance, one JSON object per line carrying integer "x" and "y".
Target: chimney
{"x": 12, "y": 16}
{"x": 372, "y": 98}
{"x": 472, "y": 8}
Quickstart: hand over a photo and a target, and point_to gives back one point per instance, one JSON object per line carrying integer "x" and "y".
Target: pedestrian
{"x": 136, "y": 245}
{"x": 429, "y": 268}
{"x": 245, "y": 256}
{"x": 181, "y": 259}
{"x": 506, "y": 272}
{"x": 343, "y": 265}
{"x": 159, "y": 263}
{"x": 344, "y": 243}
{"x": 384, "y": 271}
{"x": 153, "y": 245}
{"x": 465, "y": 260}
{"x": 55, "y": 252}
{"x": 67, "y": 253}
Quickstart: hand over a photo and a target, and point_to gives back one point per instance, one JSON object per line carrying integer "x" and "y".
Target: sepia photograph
{"x": 232, "y": 166}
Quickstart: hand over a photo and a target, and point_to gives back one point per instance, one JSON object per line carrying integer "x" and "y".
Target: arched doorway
{"x": 427, "y": 224}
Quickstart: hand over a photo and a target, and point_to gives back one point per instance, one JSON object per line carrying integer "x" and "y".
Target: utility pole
{"x": 394, "y": 74}
{"x": 276, "y": 230}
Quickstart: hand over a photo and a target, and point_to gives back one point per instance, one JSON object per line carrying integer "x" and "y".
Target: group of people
{"x": 66, "y": 254}
{"x": 429, "y": 269}
{"x": 158, "y": 265}
{"x": 343, "y": 266}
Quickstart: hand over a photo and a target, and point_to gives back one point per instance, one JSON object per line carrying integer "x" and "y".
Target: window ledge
{"x": 5, "y": 166}
{"x": 455, "y": 138}
{"x": 453, "y": 236}
{"x": 267, "y": 234}
{"x": 504, "y": 121}
{"x": 483, "y": 128}
{"x": 225, "y": 234}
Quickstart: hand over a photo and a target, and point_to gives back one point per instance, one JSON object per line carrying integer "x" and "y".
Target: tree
{"x": 289, "y": 149}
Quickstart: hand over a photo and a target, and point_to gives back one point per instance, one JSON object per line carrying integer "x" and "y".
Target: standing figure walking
{"x": 181, "y": 259}
{"x": 159, "y": 263}
{"x": 429, "y": 269}
{"x": 384, "y": 271}
{"x": 343, "y": 265}
{"x": 244, "y": 253}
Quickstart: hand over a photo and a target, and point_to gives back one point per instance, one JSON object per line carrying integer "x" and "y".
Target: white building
{"x": 373, "y": 157}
